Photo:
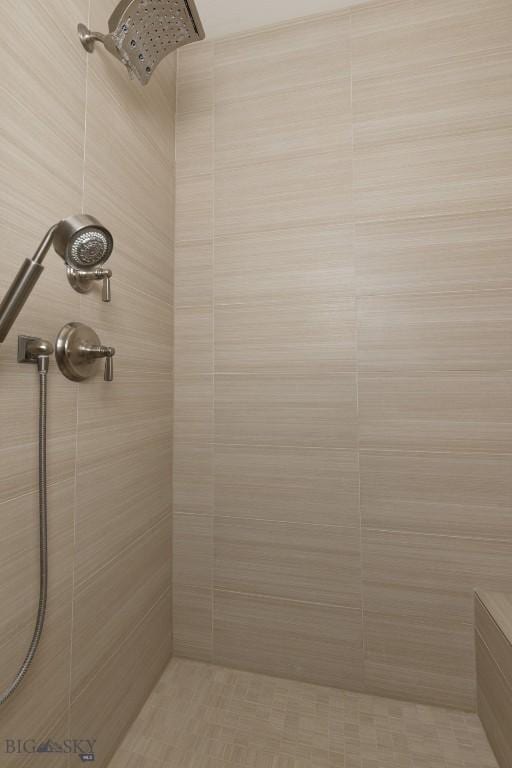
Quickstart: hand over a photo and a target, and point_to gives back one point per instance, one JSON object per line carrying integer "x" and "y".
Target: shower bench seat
{"x": 493, "y": 623}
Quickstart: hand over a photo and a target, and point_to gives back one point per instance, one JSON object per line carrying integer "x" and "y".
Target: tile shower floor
{"x": 202, "y": 716}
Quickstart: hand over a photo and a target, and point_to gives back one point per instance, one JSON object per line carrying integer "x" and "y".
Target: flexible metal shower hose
{"x": 43, "y": 543}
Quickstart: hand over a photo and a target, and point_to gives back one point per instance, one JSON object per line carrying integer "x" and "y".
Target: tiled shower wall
{"x": 343, "y": 402}
{"x": 76, "y": 134}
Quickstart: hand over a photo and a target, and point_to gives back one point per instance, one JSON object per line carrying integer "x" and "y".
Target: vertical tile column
{"x": 194, "y": 382}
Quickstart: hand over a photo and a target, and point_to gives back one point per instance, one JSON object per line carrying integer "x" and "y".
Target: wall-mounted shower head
{"x": 81, "y": 241}
{"x": 143, "y": 32}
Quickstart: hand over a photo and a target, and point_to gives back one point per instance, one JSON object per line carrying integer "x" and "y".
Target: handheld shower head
{"x": 81, "y": 241}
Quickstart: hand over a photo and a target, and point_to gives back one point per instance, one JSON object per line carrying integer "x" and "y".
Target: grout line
{"x": 213, "y": 139}
{"x": 77, "y": 400}
{"x": 287, "y": 599}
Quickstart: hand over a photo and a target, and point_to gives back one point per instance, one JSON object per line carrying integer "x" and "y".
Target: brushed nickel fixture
{"x": 81, "y": 241}
{"x": 78, "y": 350}
{"x": 82, "y": 280}
{"x": 32, "y": 349}
{"x": 143, "y": 32}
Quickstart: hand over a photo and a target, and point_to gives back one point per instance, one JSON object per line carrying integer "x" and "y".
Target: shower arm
{"x": 88, "y": 38}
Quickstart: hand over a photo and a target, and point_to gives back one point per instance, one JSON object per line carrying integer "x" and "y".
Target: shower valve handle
{"x": 81, "y": 280}
{"x": 106, "y": 352}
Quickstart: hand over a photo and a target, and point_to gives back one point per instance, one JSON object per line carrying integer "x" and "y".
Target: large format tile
{"x": 194, "y": 208}
{"x": 195, "y": 78}
{"x": 420, "y": 660}
{"x": 192, "y": 622}
{"x": 317, "y": 643}
{"x": 193, "y": 274}
{"x": 113, "y": 698}
{"x": 192, "y": 551}
{"x": 433, "y": 175}
{"x": 311, "y": 563}
{"x": 307, "y": 411}
{"x": 128, "y": 585}
{"x": 285, "y": 336}
{"x": 433, "y": 254}
{"x": 282, "y": 58}
{"x": 300, "y": 263}
{"x": 193, "y": 340}
{"x": 276, "y": 124}
{"x": 193, "y": 409}
{"x": 473, "y": 94}
{"x": 282, "y": 192}
{"x": 437, "y": 332}
{"x": 296, "y": 485}
{"x": 436, "y": 412}
{"x": 407, "y": 35}
{"x": 193, "y": 477}
{"x": 445, "y": 493}
{"x": 430, "y": 579}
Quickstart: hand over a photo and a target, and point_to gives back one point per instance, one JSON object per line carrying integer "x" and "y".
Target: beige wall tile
{"x": 474, "y": 94}
{"x": 296, "y": 485}
{"x": 276, "y": 124}
{"x": 433, "y": 175}
{"x": 193, "y": 409}
{"x": 194, "y": 208}
{"x": 284, "y": 192}
{"x": 440, "y": 332}
{"x": 445, "y": 493}
{"x": 192, "y": 618}
{"x": 282, "y": 58}
{"x": 420, "y": 661}
{"x": 193, "y": 274}
{"x": 192, "y": 551}
{"x": 311, "y": 563}
{"x": 307, "y": 411}
{"x": 405, "y": 35}
{"x": 195, "y": 78}
{"x": 193, "y": 340}
{"x": 285, "y": 336}
{"x": 436, "y": 412}
{"x": 298, "y": 263}
{"x": 194, "y": 143}
{"x": 193, "y": 477}
{"x": 438, "y": 253}
{"x": 430, "y": 579}
{"x": 128, "y": 585}
{"x": 135, "y": 487}
{"x": 113, "y": 698}
{"x": 316, "y": 643}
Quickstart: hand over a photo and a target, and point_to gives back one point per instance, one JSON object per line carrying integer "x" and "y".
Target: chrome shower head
{"x": 83, "y": 242}
{"x": 143, "y": 32}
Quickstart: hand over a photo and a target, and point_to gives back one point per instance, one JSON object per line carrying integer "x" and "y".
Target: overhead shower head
{"x": 143, "y": 32}
{"x": 81, "y": 241}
